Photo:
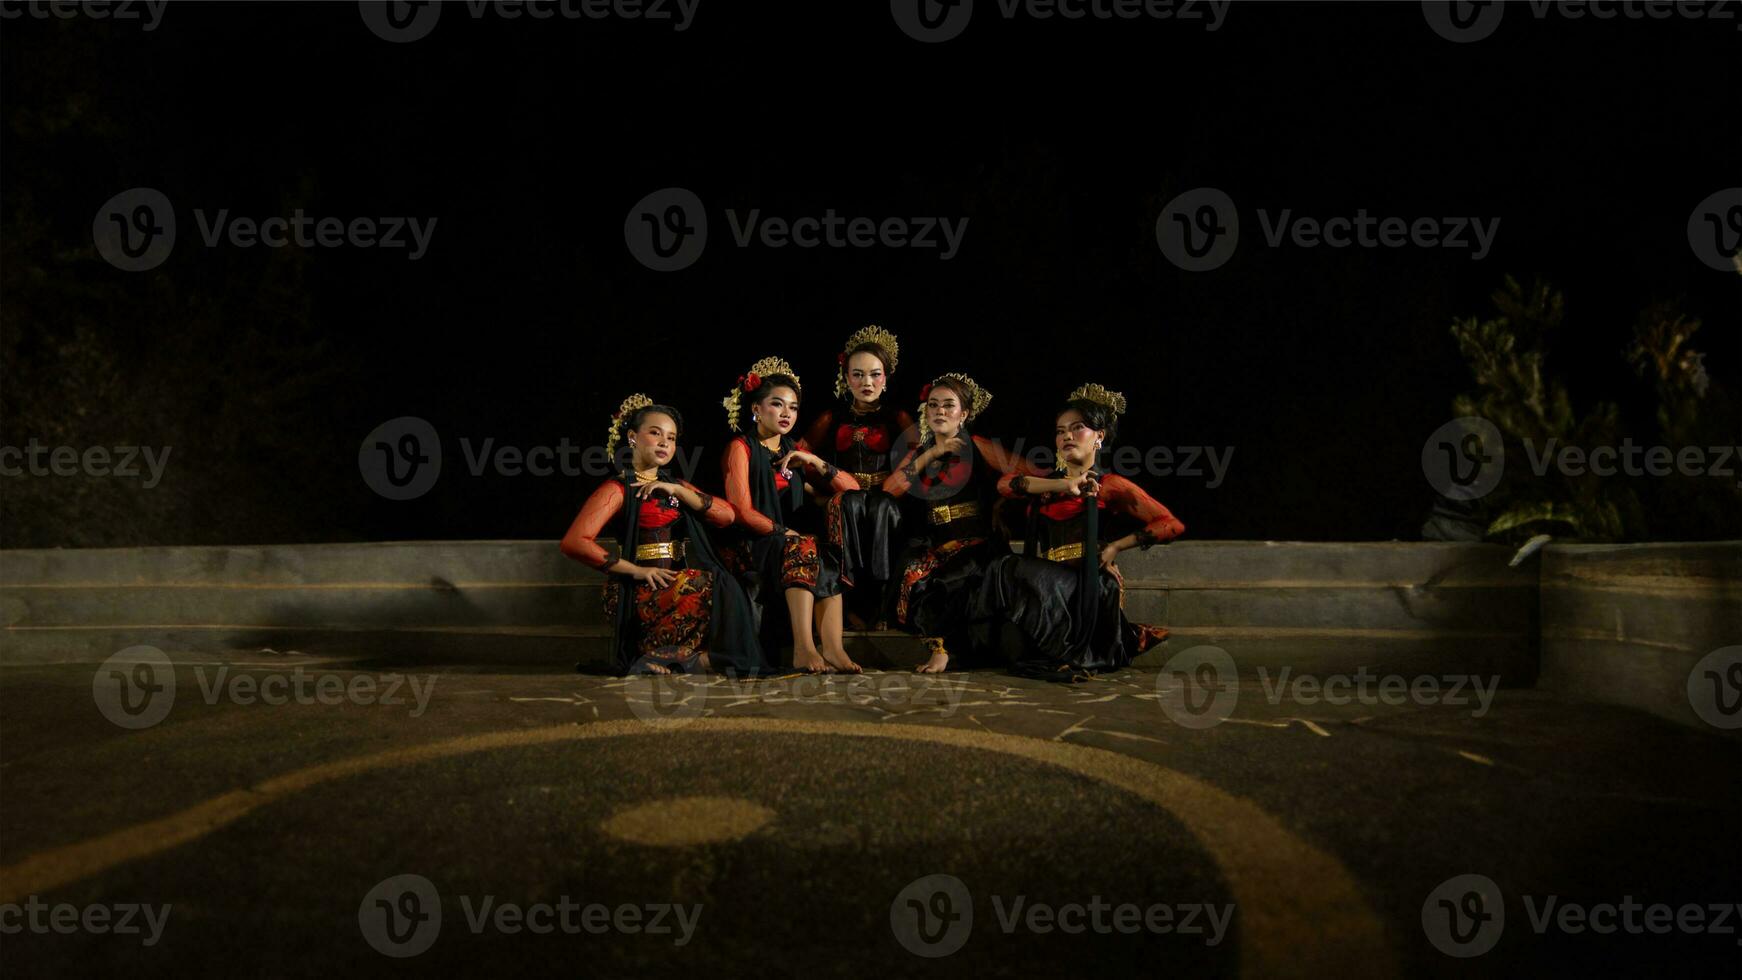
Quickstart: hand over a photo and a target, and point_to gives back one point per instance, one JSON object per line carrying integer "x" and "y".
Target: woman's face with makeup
{"x": 777, "y": 410}
{"x": 866, "y": 377}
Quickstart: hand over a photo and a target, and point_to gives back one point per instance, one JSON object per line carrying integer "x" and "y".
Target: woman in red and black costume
{"x": 673, "y": 605}
{"x": 1065, "y": 595}
{"x": 860, "y": 438}
{"x": 777, "y": 551}
{"x": 950, "y": 484}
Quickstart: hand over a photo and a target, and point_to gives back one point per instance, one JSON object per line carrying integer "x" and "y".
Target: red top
{"x": 878, "y": 436}
{"x": 1118, "y": 494}
{"x": 581, "y": 543}
{"x": 956, "y": 473}
{"x": 737, "y": 466}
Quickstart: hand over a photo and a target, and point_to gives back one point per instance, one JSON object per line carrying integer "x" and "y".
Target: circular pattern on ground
{"x": 685, "y": 821}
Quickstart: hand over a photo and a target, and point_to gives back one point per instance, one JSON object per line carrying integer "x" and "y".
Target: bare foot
{"x": 656, "y": 668}
{"x": 702, "y": 661}
{"x": 940, "y": 658}
{"x": 840, "y": 663}
{"x": 808, "y": 662}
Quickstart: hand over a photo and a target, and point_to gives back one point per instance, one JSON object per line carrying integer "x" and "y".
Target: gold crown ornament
{"x": 1112, "y": 401}
{"x": 978, "y": 399}
{"x": 751, "y": 380}
{"x": 872, "y": 334}
{"x": 625, "y": 411}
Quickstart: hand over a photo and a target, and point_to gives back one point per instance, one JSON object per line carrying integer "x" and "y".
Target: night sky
{"x": 1059, "y": 142}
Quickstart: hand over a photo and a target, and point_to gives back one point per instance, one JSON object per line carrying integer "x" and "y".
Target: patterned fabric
{"x": 837, "y": 522}
{"x": 677, "y": 615}
{"x": 800, "y": 562}
{"x": 923, "y": 566}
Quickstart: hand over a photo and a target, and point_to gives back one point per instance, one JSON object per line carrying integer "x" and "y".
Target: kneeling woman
{"x": 674, "y": 607}
{"x": 773, "y": 555}
{"x": 951, "y": 481}
{"x": 1065, "y": 596}
{"x": 860, "y": 438}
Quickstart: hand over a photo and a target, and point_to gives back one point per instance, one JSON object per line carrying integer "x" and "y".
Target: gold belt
{"x": 871, "y": 481}
{"x": 954, "y": 512}
{"x": 659, "y": 549}
{"x": 1065, "y": 552}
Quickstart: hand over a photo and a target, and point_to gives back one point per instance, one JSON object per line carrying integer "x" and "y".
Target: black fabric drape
{"x": 733, "y": 647}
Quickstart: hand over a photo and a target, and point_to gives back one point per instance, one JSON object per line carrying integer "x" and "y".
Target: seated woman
{"x": 951, "y": 481}
{"x": 861, "y": 438}
{"x": 673, "y": 607}
{"x": 772, "y": 554}
{"x": 1065, "y": 596}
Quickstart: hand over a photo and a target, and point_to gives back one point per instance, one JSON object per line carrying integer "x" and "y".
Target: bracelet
{"x": 1147, "y": 539}
{"x": 707, "y": 502}
{"x": 1019, "y": 484}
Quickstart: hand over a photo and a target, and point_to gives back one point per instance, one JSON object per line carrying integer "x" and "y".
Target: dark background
{"x": 528, "y": 319}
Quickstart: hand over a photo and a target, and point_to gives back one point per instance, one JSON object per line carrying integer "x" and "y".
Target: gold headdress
{"x": 1112, "y": 401}
{"x": 978, "y": 399}
{"x": 751, "y": 380}
{"x": 630, "y": 406}
{"x": 872, "y": 334}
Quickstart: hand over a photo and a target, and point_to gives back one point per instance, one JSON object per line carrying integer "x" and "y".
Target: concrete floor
{"x": 803, "y": 826}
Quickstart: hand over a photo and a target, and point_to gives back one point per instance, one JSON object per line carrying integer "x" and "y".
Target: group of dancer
{"x": 871, "y": 518}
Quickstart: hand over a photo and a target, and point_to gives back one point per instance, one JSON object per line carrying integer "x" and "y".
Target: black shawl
{"x": 732, "y": 643}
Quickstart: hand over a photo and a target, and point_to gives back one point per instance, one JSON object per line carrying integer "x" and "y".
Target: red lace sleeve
{"x": 896, "y": 483}
{"x": 719, "y": 512}
{"x": 843, "y": 481}
{"x": 737, "y": 467}
{"x": 1002, "y": 460}
{"x": 1129, "y": 499}
{"x": 818, "y": 434}
{"x": 581, "y": 543}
